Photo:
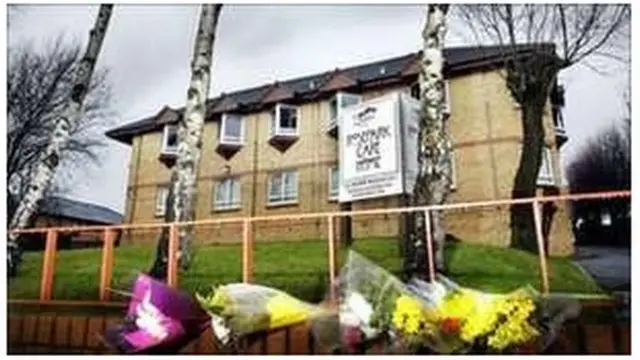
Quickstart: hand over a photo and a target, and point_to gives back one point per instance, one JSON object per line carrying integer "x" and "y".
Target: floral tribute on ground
{"x": 238, "y": 310}
{"x": 443, "y": 317}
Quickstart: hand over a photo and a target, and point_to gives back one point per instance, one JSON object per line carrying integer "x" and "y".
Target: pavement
{"x": 609, "y": 266}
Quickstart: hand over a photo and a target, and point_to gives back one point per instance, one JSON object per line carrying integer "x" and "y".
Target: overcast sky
{"x": 148, "y": 50}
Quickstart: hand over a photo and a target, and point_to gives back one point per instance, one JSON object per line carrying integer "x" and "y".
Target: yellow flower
{"x": 458, "y": 305}
{"x": 285, "y": 310}
{"x": 409, "y": 315}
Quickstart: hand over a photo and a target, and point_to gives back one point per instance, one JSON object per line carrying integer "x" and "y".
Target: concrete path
{"x": 610, "y": 267}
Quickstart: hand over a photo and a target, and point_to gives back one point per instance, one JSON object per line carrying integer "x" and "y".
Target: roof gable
{"x": 277, "y": 93}
{"x": 398, "y": 69}
{"x": 339, "y": 80}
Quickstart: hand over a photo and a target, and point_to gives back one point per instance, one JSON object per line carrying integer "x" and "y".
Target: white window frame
{"x": 447, "y": 98}
{"x": 281, "y": 198}
{"x": 275, "y": 127}
{"x": 162, "y": 192}
{"x": 339, "y": 98}
{"x": 227, "y": 139}
{"x": 233, "y": 200}
{"x": 546, "y": 176}
{"x": 558, "y": 122}
{"x": 334, "y": 189}
{"x": 454, "y": 172}
{"x": 166, "y": 149}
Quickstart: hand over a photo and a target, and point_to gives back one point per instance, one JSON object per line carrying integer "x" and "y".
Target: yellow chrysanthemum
{"x": 408, "y": 315}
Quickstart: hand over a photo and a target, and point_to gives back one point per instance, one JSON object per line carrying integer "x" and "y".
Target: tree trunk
{"x": 67, "y": 118}
{"x": 434, "y": 178}
{"x": 523, "y": 235}
{"x": 191, "y": 127}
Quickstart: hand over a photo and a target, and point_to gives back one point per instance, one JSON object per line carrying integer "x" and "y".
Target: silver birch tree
{"x": 191, "y": 127}
{"x": 434, "y": 176}
{"x": 68, "y": 116}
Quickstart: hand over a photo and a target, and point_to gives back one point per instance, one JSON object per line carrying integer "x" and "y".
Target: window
{"x": 545, "y": 175}
{"x": 447, "y": 98}
{"x": 337, "y": 103}
{"x": 283, "y": 187}
{"x": 414, "y": 91}
{"x": 559, "y": 120}
{"x": 232, "y": 129}
{"x": 226, "y": 194}
{"x": 454, "y": 173}
{"x": 334, "y": 183}
{"x": 170, "y": 139}
{"x": 162, "y": 192}
{"x": 284, "y": 120}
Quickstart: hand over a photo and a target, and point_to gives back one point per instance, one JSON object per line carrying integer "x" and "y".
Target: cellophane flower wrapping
{"x": 240, "y": 309}
{"x": 381, "y": 306}
{"x": 444, "y": 317}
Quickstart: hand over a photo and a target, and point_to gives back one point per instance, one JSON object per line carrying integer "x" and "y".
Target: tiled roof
{"x": 457, "y": 59}
{"x": 63, "y": 207}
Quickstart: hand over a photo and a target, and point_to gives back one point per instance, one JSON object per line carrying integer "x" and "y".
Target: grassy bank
{"x": 299, "y": 268}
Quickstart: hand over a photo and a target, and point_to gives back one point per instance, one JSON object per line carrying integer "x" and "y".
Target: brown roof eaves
{"x": 458, "y": 61}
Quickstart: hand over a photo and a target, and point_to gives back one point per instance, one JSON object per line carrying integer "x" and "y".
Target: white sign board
{"x": 373, "y": 147}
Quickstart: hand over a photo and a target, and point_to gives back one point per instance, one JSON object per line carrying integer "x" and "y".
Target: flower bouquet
{"x": 159, "y": 320}
{"x": 442, "y": 317}
{"x": 238, "y": 310}
{"x": 376, "y": 307}
{"x": 521, "y": 321}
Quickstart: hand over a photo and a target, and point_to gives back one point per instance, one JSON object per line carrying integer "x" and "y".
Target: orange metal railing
{"x": 46, "y": 283}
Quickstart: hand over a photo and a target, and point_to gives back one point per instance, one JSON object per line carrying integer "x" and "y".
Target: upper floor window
{"x": 285, "y": 120}
{"x": 454, "y": 172}
{"x": 283, "y": 187}
{"x": 340, "y": 101}
{"x": 226, "y": 194}
{"x": 546, "y": 173}
{"x": 558, "y": 118}
{"x": 334, "y": 183}
{"x": 162, "y": 192}
{"x": 231, "y": 129}
{"x": 170, "y": 139}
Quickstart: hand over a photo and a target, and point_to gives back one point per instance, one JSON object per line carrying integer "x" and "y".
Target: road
{"x": 609, "y": 266}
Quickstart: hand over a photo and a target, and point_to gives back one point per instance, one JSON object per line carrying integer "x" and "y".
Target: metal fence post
{"x": 48, "y": 265}
{"x": 544, "y": 274}
{"x": 247, "y": 251}
{"x": 106, "y": 269}
{"x": 172, "y": 261}
{"x": 429, "y": 239}
{"x": 333, "y": 296}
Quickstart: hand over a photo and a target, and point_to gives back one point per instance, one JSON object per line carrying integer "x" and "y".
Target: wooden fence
{"x": 48, "y": 331}
{"x": 54, "y": 333}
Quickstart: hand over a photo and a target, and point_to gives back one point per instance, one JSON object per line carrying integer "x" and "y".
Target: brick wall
{"x": 486, "y": 131}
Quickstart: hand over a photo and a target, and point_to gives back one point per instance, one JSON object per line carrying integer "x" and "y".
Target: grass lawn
{"x": 299, "y": 268}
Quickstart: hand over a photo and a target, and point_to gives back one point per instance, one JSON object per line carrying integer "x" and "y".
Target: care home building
{"x": 273, "y": 150}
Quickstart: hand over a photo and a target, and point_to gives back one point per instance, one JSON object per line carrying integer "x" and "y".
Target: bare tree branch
{"x": 530, "y": 36}
{"x": 38, "y": 80}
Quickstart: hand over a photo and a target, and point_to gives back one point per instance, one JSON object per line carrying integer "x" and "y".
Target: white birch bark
{"x": 434, "y": 179}
{"x": 191, "y": 127}
{"x": 68, "y": 117}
